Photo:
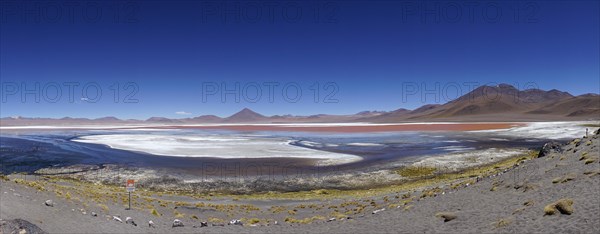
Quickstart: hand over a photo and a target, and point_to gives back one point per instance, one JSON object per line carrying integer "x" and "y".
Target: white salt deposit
{"x": 228, "y": 147}
{"x": 544, "y": 130}
{"x": 453, "y": 161}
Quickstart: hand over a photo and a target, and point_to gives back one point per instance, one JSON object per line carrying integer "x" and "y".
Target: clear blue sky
{"x": 171, "y": 50}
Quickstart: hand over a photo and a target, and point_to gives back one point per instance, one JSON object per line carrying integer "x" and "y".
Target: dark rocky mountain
{"x": 505, "y": 100}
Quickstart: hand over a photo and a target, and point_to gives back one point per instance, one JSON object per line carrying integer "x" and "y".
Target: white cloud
{"x": 182, "y": 113}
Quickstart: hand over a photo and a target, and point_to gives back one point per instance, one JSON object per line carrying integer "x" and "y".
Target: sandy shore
{"x": 522, "y": 198}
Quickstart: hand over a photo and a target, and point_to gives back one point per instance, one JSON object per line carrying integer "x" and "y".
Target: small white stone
{"x": 235, "y": 222}
{"x": 49, "y": 203}
{"x": 377, "y": 211}
{"x": 177, "y": 223}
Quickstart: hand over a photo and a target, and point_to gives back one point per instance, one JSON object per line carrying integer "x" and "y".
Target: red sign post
{"x": 130, "y": 186}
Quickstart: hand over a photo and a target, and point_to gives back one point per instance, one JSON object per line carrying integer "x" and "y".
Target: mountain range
{"x": 485, "y": 103}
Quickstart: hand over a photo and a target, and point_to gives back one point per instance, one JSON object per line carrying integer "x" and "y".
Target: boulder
{"x": 49, "y": 203}
{"x": 94, "y": 214}
{"x": 235, "y": 222}
{"x": 129, "y": 220}
{"x": 203, "y": 224}
{"x": 115, "y": 218}
{"x": 447, "y": 216}
{"x": 19, "y": 226}
{"x": 177, "y": 223}
{"x": 550, "y": 147}
{"x": 151, "y": 224}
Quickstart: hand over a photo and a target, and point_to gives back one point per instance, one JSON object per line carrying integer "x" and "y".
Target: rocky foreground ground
{"x": 556, "y": 192}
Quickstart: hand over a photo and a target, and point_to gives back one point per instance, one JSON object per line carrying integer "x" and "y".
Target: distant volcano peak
{"x": 245, "y": 115}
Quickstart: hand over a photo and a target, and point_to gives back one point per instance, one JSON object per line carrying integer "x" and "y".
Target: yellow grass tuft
{"x": 502, "y": 223}
{"x": 182, "y": 204}
{"x": 277, "y": 209}
{"x": 519, "y": 210}
{"x": 254, "y": 221}
{"x": 550, "y": 209}
{"x": 321, "y": 191}
{"x": 564, "y": 206}
{"x": 303, "y": 221}
{"x": 591, "y": 173}
{"x": 416, "y": 171}
{"x": 564, "y": 179}
{"x": 590, "y": 160}
{"x": 216, "y": 220}
{"x": 178, "y": 214}
{"x": 447, "y": 216}
{"x": 431, "y": 192}
{"x": 154, "y": 212}
{"x": 103, "y": 207}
